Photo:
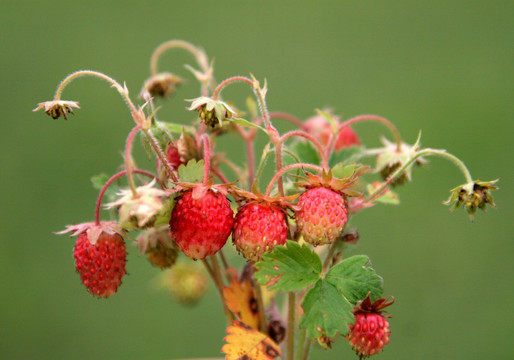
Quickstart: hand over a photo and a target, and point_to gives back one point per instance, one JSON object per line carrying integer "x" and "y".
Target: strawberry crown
{"x": 373, "y": 307}
{"x": 282, "y": 202}
{"x": 350, "y": 174}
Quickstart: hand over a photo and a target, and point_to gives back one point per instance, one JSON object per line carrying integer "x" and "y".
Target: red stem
{"x": 287, "y": 168}
{"x": 308, "y": 136}
{"x": 109, "y": 182}
{"x": 128, "y": 149}
{"x": 224, "y": 83}
{"x": 380, "y": 119}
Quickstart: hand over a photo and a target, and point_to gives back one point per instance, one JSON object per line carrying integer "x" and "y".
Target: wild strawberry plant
{"x": 296, "y": 287}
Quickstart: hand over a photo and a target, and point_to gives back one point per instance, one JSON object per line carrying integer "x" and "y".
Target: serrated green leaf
{"x": 306, "y": 152}
{"x": 192, "y": 172}
{"x": 245, "y": 123}
{"x": 289, "y": 268}
{"x": 326, "y": 312}
{"x": 355, "y": 278}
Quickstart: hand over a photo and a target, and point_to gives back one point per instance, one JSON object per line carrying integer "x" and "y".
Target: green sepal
{"x": 326, "y": 312}
{"x": 192, "y": 172}
{"x": 388, "y": 196}
{"x": 348, "y": 155}
{"x": 355, "y": 278}
{"x": 289, "y": 268}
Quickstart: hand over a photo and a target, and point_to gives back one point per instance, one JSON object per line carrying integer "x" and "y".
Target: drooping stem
{"x": 288, "y": 168}
{"x": 377, "y": 118}
{"x": 228, "y": 81}
{"x": 291, "y": 323}
{"x": 109, "y": 182}
{"x": 313, "y": 140}
{"x": 122, "y": 90}
{"x": 200, "y": 56}
{"x": 128, "y": 159}
{"x": 424, "y": 152}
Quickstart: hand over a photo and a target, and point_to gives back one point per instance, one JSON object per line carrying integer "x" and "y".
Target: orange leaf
{"x": 240, "y": 299}
{"x": 245, "y": 343}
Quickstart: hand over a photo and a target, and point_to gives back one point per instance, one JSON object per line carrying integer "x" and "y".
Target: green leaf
{"x": 355, "y": 278}
{"x": 326, "y": 312}
{"x": 177, "y": 129}
{"x": 289, "y": 268}
{"x": 388, "y": 197}
{"x": 306, "y": 152}
{"x": 99, "y": 181}
{"x": 245, "y": 123}
{"x": 192, "y": 172}
{"x": 346, "y": 155}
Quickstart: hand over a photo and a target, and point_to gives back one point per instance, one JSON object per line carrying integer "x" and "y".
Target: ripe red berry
{"x": 321, "y": 216}
{"x": 369, "y": 334}
{"x": 201, "y": 226}
{"x": 173, "y": 156}
{"x": 257, "y": 229}
{"x": 102, "y": 265}
{"x": 347, "y": 138}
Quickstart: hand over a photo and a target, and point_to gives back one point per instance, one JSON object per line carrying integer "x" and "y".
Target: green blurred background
{"x": 445, "y": 67}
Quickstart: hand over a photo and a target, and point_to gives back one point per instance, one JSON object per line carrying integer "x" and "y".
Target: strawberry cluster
{"x": 196, "y": 198}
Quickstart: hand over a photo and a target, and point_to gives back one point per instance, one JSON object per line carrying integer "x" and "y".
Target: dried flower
{"x": 58, "y": 108}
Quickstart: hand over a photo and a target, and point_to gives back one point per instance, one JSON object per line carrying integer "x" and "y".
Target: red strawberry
{"x": 321, "y": 216}
{"x": 258, "y": 228}
{"x": 201, "y": 226}
{"x": 370, "y": 333}
{"x": 101, "y": 265}
{"x": 173, "y": 157}
{"x": 347, "y": 138}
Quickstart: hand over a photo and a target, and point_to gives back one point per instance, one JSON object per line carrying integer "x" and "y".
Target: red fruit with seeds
{"x": 173, "y": 157}
{"x": 347, "y": 138}
{"x": 101, "y": 265}
{"x": 201, "y": 225}
{"x": 321, "y": 216}
{"x": 370, "y": 333}
{"x": 258, "y": 228}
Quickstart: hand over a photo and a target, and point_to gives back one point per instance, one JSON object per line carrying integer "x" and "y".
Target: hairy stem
{"x": 200, "y": 56}
{"x": 122, "y": 90}
{"x": 313, "y": 140}
{"x": 128, "y": 163}
{"x": 424, "y": 152}
{"x": 109, "y": 182}
{"x": 288, "y": 168}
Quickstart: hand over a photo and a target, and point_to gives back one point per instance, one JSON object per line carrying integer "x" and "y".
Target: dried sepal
{"x": 391, "y": 159}
{"x": 212, "y": 112}
{"x": 143, "y": 209}
{"x": 472, "y": 196}
{"x": 58, "y": 108}
{"x": 93, "y": 230}
{"x": 160, "y": 85}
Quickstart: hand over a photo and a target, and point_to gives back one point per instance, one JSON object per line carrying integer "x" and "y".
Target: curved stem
{"x": 228, "y": 81}
{"x": 287, "y": 168}
{"x": 122, "y": 90}
{"x": 109, "y": 182}
{"x": 324, "y": 159}
{"x": 128, "y": 165}
{"x": 286, "y": 116}
{"x": 206, "y": 158}
{"x": 380, "y": 119}
{"x": 200, "y": 56}
{"x": 424, "y": 152}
